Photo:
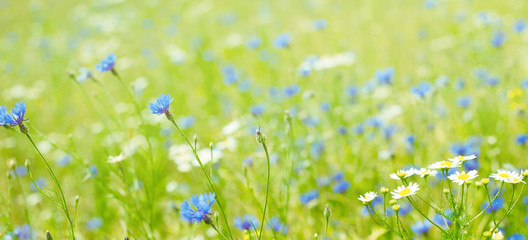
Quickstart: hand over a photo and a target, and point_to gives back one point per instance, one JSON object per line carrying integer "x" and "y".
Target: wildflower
{"x": 403, "y": 174}
{"x": 385, "y": 76}
{"x": 519, "y": 26}
{"x": 161, "y": 104}
{"x": 497, "y": 236}
{"x": 338, "y": 176}
{"x": 463, "y": 158}
{"x": 515, "y": 178}
{"x": 341, "y": 186}
{"x": 445, "y": 164}
{"x": 405, "y": 191}
{"x": 499, "y": 37}
{"x": 485, "y": 181}
{"x": 282, "y": 41}
{"x": 424, "y": 172}
{"x": 116, "y": 159}
{"x": 253, "y": 43}
{"x": 396, "y": 207}
{"x": 84, "y": 74}
{"x": 248, "y": 222}
{"x": 94, "y": 223}
{"x": 464, "y": 101}
{"x": 15, "y": 118}
{"x": 516, "y": 236}
{"x": 384, "y": 190}
{"x": 257, "y": 110}
{"x": 107, "y": 64}
{"x": 309, "y": 196}
{"x": 230, "y": 74}
{"x": 521, "y": 139}
{"x": 292, "y": 90}
{"x": 502, "y": 175}
{"x": 368, "y": 197}
{"x": 463, "y": 177}
{"x": 197, "y": 208}
{"x": 497, "y": 204}
{"x": 421, "y": 227}
{"x": 319, "y": 24}
{"x": 421, "y": 90}
{"x": 277, "y": 226}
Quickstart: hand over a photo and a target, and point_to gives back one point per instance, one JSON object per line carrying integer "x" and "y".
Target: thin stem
{"x": 54, "y": 178}
{"x": 425, "y": 216}
{"x": 511, "y": 205}
{"x": 326, "y": 227}
{"x": 267, "y": 191}
{"x": 26, "y": 214}
{"x": 489, "y": 205}
{"x": 209, "y": 180}
{"x": 292, "y": 166}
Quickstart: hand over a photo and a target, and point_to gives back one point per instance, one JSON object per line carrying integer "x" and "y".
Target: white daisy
{"x": 462, "y": 177}
{"x": 116, "y": 159}
{"x": 502, "y": 175}
{"x": 405, "y": 191}
{"x": 497, "y": 236}
{"x": 463, "y": 158}
{"x": 368, "y": 197}
{"x": 403, "y": 174}
{"x": 423, "y": 172}
{"x": 515, "y": 178}
{"x": 445, "y": 164}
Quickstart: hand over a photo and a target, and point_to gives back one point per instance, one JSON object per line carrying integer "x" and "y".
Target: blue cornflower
{"x": 186, "y": 122}
{"x": 107, "y": 64}
{"x": 319, "y": 24}
{"x": 64, "y": 160}
{"x": 41, "y": 183}
{"x": 197, "y": 208}
{"x": 519, "y": 26}
{"x": 389, "y": 131}
{"x": 410, "y": 139}
{"x": 84, "y": 74}
{"x": 16, "y": 117}
{"x": 93, "y": 171}
{"x": 282, "y": 41}
{"x": 429, "y": 4}
{"x": 464, "y": 101}
{"x": 253, "y": 43}
{"x": 23, "y": 232}
{"x": 499, "y": 37}
{"x": 374, "y": 122}
{"x": 421, "y": 90}
{"x": 421, "y": 227}
{"x": 316, "y": 149}
{"x": 338, "y": 176}
{"x": 305, "y": 198}
{"x": 323, "y": 181}
{"x": 342, "y": 130}
{"x": 290, "y": 91}
{"x": 161, "y": 104}
{"x": 405, "y": 209}
{"x": 521, "y": 139}
{"x": 248, "y": 222}
{"x": 5, "y": 118}
{"x": 442, "y": 81}
{"x": 341, "y": 186}
{"x": 524, "y": 84}
{"x": 526, "y": 219}
{"x": 497, "y": 204}
{"x": 491, "y": 81}
{"x": 352, "y": 91}
{"x": 230, "y": 74}
{"x": 516, "y": 236}
{"x": 359, "y": 129}
{"x": 385, "y": 76}
{"x": 94, "y": 223}
{"x": 441, "y": 221}
{"x": 325, "y": 106}
{"x": 277, "y": 226}
{"x": 257, "y": 110}
{"x": 460, "y": 84}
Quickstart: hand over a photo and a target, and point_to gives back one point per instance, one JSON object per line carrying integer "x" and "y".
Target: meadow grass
{"x": 342, "y": 94}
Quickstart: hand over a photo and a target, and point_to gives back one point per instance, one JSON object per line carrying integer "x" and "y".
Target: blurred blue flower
{"x": 186, "y": 122}
{"x": 464, "y": 101}
{"x": 305, "y": 198}
{"x": 161, "y": 104}
{"x": 257, "y": 110}
{"x": 316, "y": 149}
{"x": 524, "y": 84}
{"x": 352, "y": 91}
{"x": 359, "y": 129}
{"x": 230, "y": 74}
{"x": 277, "y": 226}
{"x": 421, "y": 90}
{"x": 23, "y": 232}
{"x": 338, "y": 176}
{"x": 325, "y": 107}
{"x": 430, "y": 4}
{"x": 323, "y": 181}
{"x": 244, "y": 86}
{"x": 519, "y": 26}
{"x": 389, "y": 131}
{"x": 106, "y": 64}
{"x": 197, "y": 208}
{"x": 374, "y": 122}
{"x": 516, "y": 236}
{"x": 282, "y": 41}
{"x": 499, "y": 37}
{"x": 64, "y": 160}
{"x": 94, "y": 223}
{"x": 405, "y": 209}
{"x": 84, "y": 74}
{"x": 342, "y": 130}
{"x": 491, "y": 81}
{"x": 311, "y": 121}
{"x": 93, "y": 170}
{"x": 248, "y": 222}
{"x": 460, "y": 84}
{"x": 341, "y": 186}
{"x": 442, "y": 81}
{"x": 247, "y": 162}
{"x": 319, "y": 24}
{"x": 496, "y": 205}
{"x": 254, "y": 43}
{"x": 521, "y": 139}
{"x": 41, "y": 183}
{"x": 421, "y": 227}
{"x": 290, "y": 91}
{"x": 385, "y": 76}
{"x": 441, "y": 221}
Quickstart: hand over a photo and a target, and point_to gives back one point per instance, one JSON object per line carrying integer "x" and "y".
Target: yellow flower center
{"x": 446, "y": 164}
{"x": 504, "y": 175}
{"x": 460, "y": 157}
{"x": 515, "y": 179}
{"x": 405, "y": 192}
{"x": 463, "y": 177}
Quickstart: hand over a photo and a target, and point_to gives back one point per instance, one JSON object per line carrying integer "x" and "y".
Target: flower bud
{"x": 316, "y": 236}
{"x": 478, "y": 184}
{"x": 211, "y": 145}
{"x": 384, "y": 190}
{"x": 485, "y": 181}
{"x": 396, "y": 207}
{"x": 11, "y": 164}
{"x": 524, "y": 173}
{"x": 260, "y": 138}
{"x": 468, "y": 183}
{"x": 27, "y": 164}
{"x": 48, "y": 236}
{"x": 486, "y": 234}
{"x": 169, "y": 116}
{"x": 195, "y": 138}
{"x": 392, "y": 202}
{"x": 446, "y": 191}
{"x": 327, "y": 211}
{"x": 23, "y": 128}
{"x": 287, "y": 115}
{"x": 76, "y": 200}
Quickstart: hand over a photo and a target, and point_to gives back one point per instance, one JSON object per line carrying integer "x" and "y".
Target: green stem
{"x": 26, "y": 214}
{"x": 511, "y": 206}
{"x": 209, "y": 179}
{"x": 489, "y": 205}
{"x": 267, "y": 191}
{"x": 425, "y": 216}
{"x": 54, "y": 178}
